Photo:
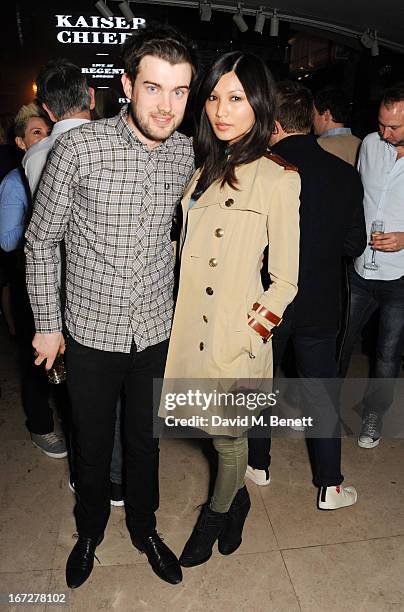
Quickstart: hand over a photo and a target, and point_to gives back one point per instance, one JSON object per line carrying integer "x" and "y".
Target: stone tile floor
{"x": 293, "y": 557}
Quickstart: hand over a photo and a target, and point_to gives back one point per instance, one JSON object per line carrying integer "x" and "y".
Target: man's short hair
{"x": 393, "y": 94}
{"x": 27, "y": 112}
{"x": 295, "y": 107}
{"x": 334, "y": 100}
{"x": 161, "y": 41}
{"x": 63, "y": 88}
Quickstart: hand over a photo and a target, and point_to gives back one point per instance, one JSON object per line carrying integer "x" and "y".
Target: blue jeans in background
{"x": 366, "y": 297}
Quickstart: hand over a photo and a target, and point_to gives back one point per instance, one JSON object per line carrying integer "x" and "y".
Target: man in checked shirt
{"x": 109, "y": 190}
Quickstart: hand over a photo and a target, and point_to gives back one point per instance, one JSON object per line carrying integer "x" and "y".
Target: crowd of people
{"x": 270, "y": 214}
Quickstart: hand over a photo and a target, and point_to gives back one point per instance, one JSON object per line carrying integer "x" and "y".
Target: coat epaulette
{"x": 280, "y": 161}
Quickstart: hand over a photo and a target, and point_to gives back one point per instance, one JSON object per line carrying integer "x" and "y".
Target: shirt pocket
{"x": 111, "y": 194}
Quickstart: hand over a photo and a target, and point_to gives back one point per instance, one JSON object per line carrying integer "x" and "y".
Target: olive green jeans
{"x": 232, "y": 466}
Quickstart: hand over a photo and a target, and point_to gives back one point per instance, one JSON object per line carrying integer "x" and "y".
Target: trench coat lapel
{"x": 204, "y": 200}
{"x": 241, "y": 198}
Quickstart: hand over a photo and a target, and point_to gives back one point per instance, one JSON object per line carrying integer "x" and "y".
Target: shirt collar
{"x": 67, "y": 124}
{"x": 336, "y": 131}
{"x": 129, "y": 135}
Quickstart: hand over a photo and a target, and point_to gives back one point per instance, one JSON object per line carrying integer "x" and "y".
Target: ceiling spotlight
{"x": 368, "y": 38}
{"x": 126, "y": 11}
{"x": 239, "y": 20}
{"x": 274, "y": 25}
{"x": 259, "y": 22}
{"x": 205, "y": 11}
{"x": 104, "y": 10}
{"x": 369, "y": 41}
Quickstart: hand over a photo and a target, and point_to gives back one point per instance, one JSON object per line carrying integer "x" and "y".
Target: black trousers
{"x": 35, "y": 388}
{"x": 315, "y": 358}
{"x": 95, "y": 379}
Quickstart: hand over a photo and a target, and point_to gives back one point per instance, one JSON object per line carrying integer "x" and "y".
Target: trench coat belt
{"x": 260, "y": 329}
{"x": 267, "y": 314}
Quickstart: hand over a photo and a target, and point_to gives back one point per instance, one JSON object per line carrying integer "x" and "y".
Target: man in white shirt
{"x": 379, "y": 283}
{"x": 65, "y": 96}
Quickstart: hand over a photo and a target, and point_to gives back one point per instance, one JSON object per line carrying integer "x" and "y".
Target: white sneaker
{"x": 332, "y": 498}
{"x": 116, "y": 492}
{"x": 260, "y": 477}
{"x": 368, "y": 442}
{"x": 370, "y": 433}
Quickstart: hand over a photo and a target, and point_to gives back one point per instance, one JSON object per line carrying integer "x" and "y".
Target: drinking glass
{"x": 376, "y": 229}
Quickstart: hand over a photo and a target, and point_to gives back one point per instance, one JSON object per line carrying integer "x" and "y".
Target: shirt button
{"x": 219, "y": 232}
{"x": 209, "y": 290}
{"x": 205, "y": 318}
{"x": 201, "y": 346}
{"x": 213, "y": 262}
{"x": 229, "y": 202}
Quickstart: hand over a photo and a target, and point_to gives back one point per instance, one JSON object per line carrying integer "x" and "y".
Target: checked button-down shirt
{"x": 112, "y": 200}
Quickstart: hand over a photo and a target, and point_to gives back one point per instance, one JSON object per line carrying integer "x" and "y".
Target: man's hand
{"x": 47, "y": 346}
{"x": 388, "y": 242}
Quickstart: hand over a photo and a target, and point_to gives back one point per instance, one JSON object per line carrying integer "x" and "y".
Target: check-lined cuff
{"x": 263, "y": 320}
{"x": 265, "y": 333}
{"x": 267, "y": 314}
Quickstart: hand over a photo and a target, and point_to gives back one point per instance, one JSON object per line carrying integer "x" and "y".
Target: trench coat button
{"x": 219, "y": 232}
{"x": 205, "y": 318}
{"x": 213, "y": 262}
{"x": 201, "y": 346}
{"x": 229, "y": 202}
{"x": 209, "y": 290}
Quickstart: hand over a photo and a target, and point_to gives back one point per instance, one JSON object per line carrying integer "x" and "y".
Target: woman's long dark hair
{"x": 218, "y": 159}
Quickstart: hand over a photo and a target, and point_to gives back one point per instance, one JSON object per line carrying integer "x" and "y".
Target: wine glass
{"x": 376, "y": 229}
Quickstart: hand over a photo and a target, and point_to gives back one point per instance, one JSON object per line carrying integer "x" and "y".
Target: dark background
{"x": 29, "y": 40}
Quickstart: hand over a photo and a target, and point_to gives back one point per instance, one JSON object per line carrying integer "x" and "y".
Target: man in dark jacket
{"x": 331, "y": 226}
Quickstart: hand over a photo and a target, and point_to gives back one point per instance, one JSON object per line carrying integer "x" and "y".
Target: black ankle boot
{"x": 198, "y": 549}
{"x": 230, "y": 538}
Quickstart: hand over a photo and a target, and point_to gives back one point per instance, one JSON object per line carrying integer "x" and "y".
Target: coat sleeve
{"x": 355, "y": 237}
{"x": 283, "y": 256}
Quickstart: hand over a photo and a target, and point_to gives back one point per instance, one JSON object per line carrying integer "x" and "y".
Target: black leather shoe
{"x": 163, "y": 561}
{"x": 230, "y": 538}
{"x": 198, "y": 548}
{"x": 81, "y": 561}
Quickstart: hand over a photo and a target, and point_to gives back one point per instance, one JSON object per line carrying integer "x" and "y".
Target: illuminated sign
{"x": 102, "y": 71}
{"x": 91, "y": 30}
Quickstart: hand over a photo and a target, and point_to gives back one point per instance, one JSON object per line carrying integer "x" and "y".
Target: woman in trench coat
{"x": 241, "y": 200}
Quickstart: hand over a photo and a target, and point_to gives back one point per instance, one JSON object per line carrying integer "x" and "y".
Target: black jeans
{"x": 95, "y": 379}
{"x": 35, "y": 388}
{"x": 315, "y": 358}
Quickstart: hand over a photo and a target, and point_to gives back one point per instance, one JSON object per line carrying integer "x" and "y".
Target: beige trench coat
{"x": 226, "y": 232}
